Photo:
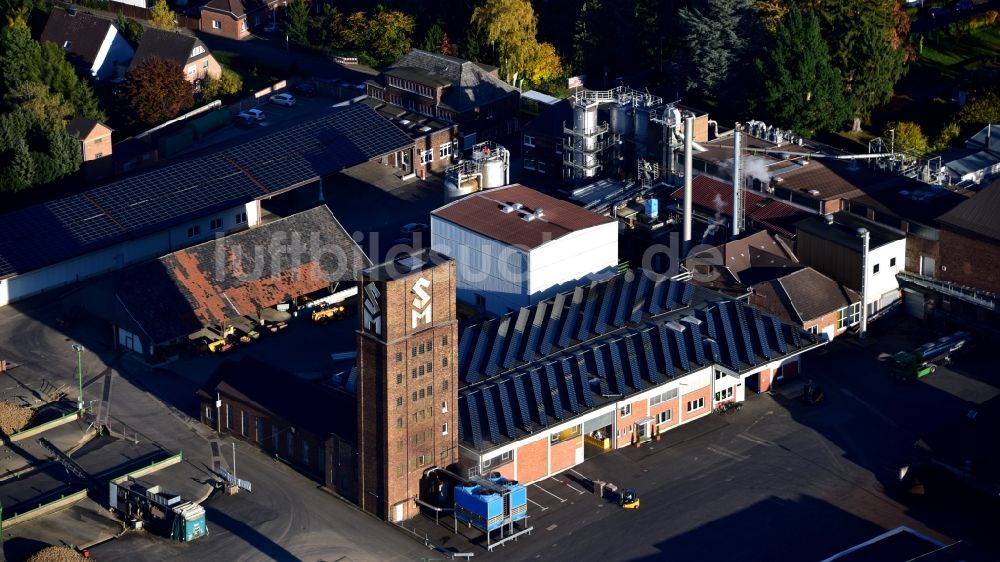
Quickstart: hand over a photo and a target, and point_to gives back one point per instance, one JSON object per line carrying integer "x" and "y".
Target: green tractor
{"x": 912, "y": 365}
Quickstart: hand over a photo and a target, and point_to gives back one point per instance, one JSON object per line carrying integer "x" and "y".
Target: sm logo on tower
{"x": 421, "y": 313}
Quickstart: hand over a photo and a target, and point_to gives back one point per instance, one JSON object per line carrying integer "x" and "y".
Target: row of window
{"x": 444, "y": 151}
{"x": 420, "y": 349}
{"x": 695, "y": 404}
{"x": 423, "y": 393}
{"x": 216, "y": 224}
{"x": 668, "y": 395}
{"x": 535, "y": 165}
{"x": 425, "y": 91}
{"x": 259, "y": 435}
{"x": 724, "y": 394}
{"x": 875, "y": 268}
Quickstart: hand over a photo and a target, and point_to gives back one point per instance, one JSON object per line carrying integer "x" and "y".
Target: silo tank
{"x": 493, "y": 173}
{"x": 621, "y": 121}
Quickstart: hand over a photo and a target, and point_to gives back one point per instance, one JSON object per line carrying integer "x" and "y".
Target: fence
{"x": 32, "y": 431}
{"x": 151, "y": 468}
{"x": 139, "y": 13}
{"x": 43, "y": 509}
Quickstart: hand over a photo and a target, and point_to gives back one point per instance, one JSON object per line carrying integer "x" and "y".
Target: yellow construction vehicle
{"x": 219, "y": 346}
{"x": 324, "y": 315}
{"x": 629, "y": 499}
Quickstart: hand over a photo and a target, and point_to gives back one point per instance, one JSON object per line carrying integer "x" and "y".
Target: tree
{"x": 908, "y": 138}
{"x": 160, "y": 15}
{"x": 19, "y": 55}
{"x": 948, "y": 134}
{"x": 800, "y": 88}
{"x": 156, "y": 91}
{"x": 861, "y": 35}
{"x": 716, "y": 35}
{"x": 228, "y": 84}
{"x": 131, "y": 29}
{"x": 982, "y": 109}
{"x": 446, "y": 47}
{"x": 771, "y": 12}
{"x": 354, "y": 32}
{"x": 388, "y": 35}
{"x": 33, "y": 152}
{"x": 297, "y": 24}
{"x": 432, "y": 39}
{"x": 48, "y": 108}
{"x": 330, "y": 28}
{"x": 511, "y": 25}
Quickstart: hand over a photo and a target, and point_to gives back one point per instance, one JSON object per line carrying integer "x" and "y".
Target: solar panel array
{"x": 152, "y": 201}
{"x": 506, "y": 397}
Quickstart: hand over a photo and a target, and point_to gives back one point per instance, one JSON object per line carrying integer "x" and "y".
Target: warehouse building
{"x": 515, "y": 246}
{"x": 151, "y": 214}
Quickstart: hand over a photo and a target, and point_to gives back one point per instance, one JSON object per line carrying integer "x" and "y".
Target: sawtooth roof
{"x": 239, "y": 274}
{"x": 482, "y": 213}
{"x": 563, "y": 357}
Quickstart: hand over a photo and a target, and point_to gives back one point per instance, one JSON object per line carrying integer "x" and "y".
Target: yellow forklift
{"x": 629, "y": 499}
{"x": 324, "y": 315}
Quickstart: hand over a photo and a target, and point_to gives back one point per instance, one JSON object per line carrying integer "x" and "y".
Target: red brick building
{"x": 236, "y": 18}
{"x": 406, "y": 388}
{"x": 970, "y": 241}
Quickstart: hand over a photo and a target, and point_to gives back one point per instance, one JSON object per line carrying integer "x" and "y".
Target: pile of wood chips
{"x": 13, "y": 418}
{"x": 56, "y": 554}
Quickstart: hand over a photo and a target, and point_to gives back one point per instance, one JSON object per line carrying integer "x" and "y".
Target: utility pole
{"x": 79, "y": 373}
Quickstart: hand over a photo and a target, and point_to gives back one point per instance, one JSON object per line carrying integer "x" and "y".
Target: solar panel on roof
{"x": 597, "y": 355}
{"x": 664, "y": 341}
{"x": 548, "y": 338}
{"x": 626, "y": 297}
{"x": 464, "y": 432}
{"x": 649, "y": 355}
{"x": 475, "y": 427}
{"x": 687, "y": 294}
{"x": 466, "y": 344}
{"x": 681, "y": 347}
{"x": 634, "y": 365}
{"x": 535, "y": 333}
{"x": 760, "y": 334}
{"x": 490, "y": 409}
{"x": 503, "y": 389}
{"x": 534, "y": 389}
{"x": 515, "y": 340}
{"x": 493, "y": 361}
{"x": 642, "y": 292}
{"x": 731, "y": 352}
{"x": 587, "y": 318}
{"x": 553, "y": 402}
{"x": 673, "y": 295}
{"x": 617, "y": 368}
{"x": 745, "y": 337}
{"x": 522, "y": 403}
{"x": 570, "y": 318}
{"x": 778, "y": 334}
{"x": 582, "y": 373}
{"x": 656, "y": 298}
{"x": 609, "y": 294}
{"x": 568, "y": 385}
{"x": 796, "y": 337}
{"x": 486, "y": 335}
{"x": 713, "y": 349}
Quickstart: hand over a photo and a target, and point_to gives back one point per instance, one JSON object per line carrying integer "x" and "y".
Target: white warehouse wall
{"x": 878, "y": 284}
{"x": 570, "y": 258}
{"x": 115, "y": 257}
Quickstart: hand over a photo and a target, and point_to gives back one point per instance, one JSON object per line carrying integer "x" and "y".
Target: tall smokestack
{"x": 737, "y": 180}
{"x": 688, "y": 141}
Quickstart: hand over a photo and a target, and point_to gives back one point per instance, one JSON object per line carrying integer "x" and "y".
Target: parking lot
{"x": 779, "y": 479}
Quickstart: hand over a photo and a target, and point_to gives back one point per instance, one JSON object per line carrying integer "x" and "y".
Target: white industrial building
{"x": 515, "y": 246}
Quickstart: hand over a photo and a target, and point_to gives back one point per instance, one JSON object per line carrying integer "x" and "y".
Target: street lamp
{"x": 79, "y": 372}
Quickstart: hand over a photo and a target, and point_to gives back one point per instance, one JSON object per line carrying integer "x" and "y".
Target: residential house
{"x": 448, "y": 88}
{"x": 186, "y": 50}
{"x": 235, "y": 18}
{"x": 93, "y": 45}
{"x": 95, "y": 145}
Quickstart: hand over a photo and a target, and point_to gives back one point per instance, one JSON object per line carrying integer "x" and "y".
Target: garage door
{"x": 914, "y": 303}
{"x": 599, "y": 422}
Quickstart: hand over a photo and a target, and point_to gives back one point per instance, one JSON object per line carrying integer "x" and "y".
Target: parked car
{"x": 253, "y": 113}
{"x": 413, "y": 227}
{"x": 307, "y": 89}
{"x": 287, "y": 100}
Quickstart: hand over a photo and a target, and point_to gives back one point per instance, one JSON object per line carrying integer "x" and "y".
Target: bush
{"x": 226, "y": 85}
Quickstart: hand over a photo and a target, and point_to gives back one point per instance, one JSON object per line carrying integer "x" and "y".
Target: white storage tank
{"x": 585, "y": 118}
{"x": 494, "y": 174}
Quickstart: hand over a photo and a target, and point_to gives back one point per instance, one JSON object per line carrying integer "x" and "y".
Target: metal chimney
{"x": 737, "y": 181}
{"x": 863, "y": 233}
{"x": 688, "y": 141}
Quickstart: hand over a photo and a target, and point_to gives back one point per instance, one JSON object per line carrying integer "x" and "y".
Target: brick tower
{"x": 407, "y": 391}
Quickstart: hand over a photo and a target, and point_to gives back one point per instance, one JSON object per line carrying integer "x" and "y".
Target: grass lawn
{"x": 956, "y": 56}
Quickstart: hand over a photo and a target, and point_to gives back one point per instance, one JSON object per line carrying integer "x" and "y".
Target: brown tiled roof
{"x": 716, "y": 195}
{"x": 238, "y": 8}
{"x": 84, "y": 32}
{"x": 481, "y": 213}
{"x": 82, "y": 128}
{"x": 745, "y": 261}
{"x": 210, "y": 283}
{"x": 174, "y": 46}
{"x": 803, "y": 296}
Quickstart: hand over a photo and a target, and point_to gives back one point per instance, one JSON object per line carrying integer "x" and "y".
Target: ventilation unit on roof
{"x": 814, "y": 192}
{"x": 528, "y": 217}
{"x": 538, "y": 213}
{"x": 507, "y": 209}
{"x": 424, "y": 129}
{"x": 518, "y": 206}
{"x": 404, "y": 121}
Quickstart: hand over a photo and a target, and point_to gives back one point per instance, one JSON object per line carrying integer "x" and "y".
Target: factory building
{"x": 515, "y": 246}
